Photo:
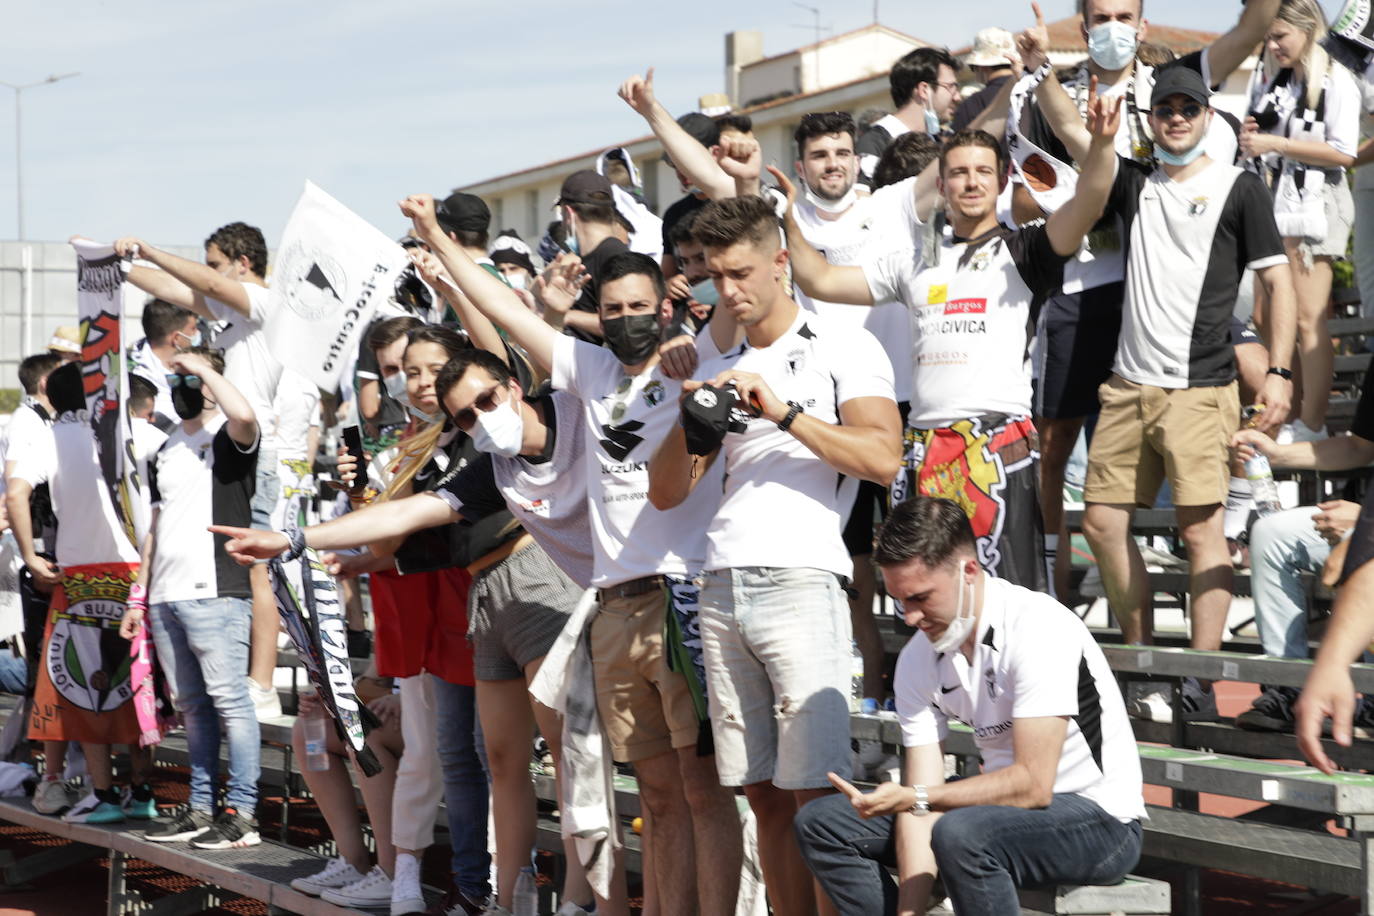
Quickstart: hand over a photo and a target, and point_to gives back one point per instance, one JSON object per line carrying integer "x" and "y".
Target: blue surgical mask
{"x": 194, "y": 339}
{"x": 570, "y": 233}
{"x": 395, "y": 385}
{"x": 932, "y": 123}
{"x": 1185, "y": 158}
{"x": 704, "y": 291}
{"x": 1112, "y": 45}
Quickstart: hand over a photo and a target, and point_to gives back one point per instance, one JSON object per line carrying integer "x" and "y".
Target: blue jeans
{"x": 202, "y": 646}
{"x": 1282, "y": 547}
{"x": 14, "y": 673}
{"x": 984, "y": 853}
{"x": 465, "y": 785}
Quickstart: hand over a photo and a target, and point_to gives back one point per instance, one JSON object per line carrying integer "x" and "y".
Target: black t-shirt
{"x": 590, "y": 300}
{"x": 674, "y": 214}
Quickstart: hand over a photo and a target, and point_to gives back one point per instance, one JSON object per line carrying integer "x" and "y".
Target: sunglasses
{"x": 177, "y": 378}
{"x": 1189, "y": 112}
{"x": 466, "y": 418}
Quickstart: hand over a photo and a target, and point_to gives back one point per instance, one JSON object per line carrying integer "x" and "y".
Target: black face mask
{"x": 632, "y": 338}
{"x": 187, "y": 401}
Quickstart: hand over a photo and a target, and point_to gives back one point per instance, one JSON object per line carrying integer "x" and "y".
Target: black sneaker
{"x": 230, "y": 830}
{"x": 1272, "y": 711}
{"x": 456, "y": 903}
{"x": 182, "y": 827}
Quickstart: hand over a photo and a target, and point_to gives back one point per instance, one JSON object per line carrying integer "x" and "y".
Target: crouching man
{"x": 1059, "y": 798}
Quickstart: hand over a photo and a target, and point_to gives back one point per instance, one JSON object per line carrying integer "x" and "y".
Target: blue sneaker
{"x": 94, "y": 810}
{"x": 138, "y": 803}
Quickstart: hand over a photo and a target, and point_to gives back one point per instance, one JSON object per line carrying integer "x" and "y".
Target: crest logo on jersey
{"x": 653, "y": 393}
{"x": 796, "y": 361}
{"x": 1197, "y": 206}
{"x": 88, "y": 661}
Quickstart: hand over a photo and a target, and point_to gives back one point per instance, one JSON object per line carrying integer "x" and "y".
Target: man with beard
{"x": 972, "y": 299}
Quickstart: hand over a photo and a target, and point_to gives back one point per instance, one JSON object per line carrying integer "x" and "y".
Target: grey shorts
{"x": 516, "y": 609}
{"x": 266, "y": 490}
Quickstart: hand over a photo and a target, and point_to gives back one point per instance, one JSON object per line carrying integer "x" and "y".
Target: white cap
{"x": 991, "y": 48}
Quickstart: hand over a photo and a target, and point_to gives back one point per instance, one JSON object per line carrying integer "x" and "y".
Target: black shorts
{"x": 1076, "y": 347}
{"x": 870, "y": 505}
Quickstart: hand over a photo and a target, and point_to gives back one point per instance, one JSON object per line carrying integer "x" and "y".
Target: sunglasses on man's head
{"x": 1189, "y": 111}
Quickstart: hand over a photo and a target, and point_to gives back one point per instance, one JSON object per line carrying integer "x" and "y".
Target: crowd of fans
{"x": 688, "y": 444}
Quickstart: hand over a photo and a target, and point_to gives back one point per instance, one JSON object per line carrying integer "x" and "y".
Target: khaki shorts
{"x": 646, "y": 708}
{"x": 1145, "y": 434}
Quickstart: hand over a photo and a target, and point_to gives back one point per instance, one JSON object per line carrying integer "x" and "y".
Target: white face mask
{"x": 1112, "y": 45}
{"x": 516, "y": 281}
{"x": 960, "y": 627}
{"x": 395, "y": 385}
{"x": 500, "y": 431}
{"x": 830, "y": 206}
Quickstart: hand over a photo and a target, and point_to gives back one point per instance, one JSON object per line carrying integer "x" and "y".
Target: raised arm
{"x": 164, "y": 286}
{"x": 481, "y": 331}
{"x": 1067, "y": 225}
{"x": 1230, "y": 50}
{"x": 198, "y": 278}
{"x": 1058, "y": 110}
{"x": 474, "y": 282}
{"x": 816, "y": 276}
{"x": 239, "y": 418}
{"x": 689, "y": 156}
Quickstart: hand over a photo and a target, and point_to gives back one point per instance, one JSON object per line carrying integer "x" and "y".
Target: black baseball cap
{"x": 702, "y": 129}
{"x": 461, "y": 212}
{"x": 1180, "y": 80}
{"x": 586, "y": 187}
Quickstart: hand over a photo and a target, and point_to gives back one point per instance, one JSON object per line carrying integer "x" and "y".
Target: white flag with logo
{"x": 332, "y": 270}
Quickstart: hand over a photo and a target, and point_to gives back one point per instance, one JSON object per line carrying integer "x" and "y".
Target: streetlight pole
{"x": 18, "y": 142}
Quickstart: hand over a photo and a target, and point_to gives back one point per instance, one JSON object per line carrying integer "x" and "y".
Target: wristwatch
{"x": 1286, "y": 374}
{"x": 793, "y": 409}
{"x": 921, "y": 807}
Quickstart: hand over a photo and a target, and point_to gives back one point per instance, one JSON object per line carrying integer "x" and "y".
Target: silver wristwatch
{"x": 922, "y": 805}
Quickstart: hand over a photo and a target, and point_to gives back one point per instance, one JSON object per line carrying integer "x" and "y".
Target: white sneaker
{"x": 372, "y": 890}
{"x": 1304, "y": 433}
{"x": 51, "y": 797}
{"x": 1149, "y": 700}
{"x": 336, "y": 873}
{"x": 406, "y": 894}
{"x": 266, "y": 703}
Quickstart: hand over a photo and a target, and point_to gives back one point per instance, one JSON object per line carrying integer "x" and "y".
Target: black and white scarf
{"x": 1299, "y": 208}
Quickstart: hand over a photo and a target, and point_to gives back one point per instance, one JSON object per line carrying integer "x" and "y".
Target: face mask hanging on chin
{"x": 960, "y": 627}
{"x": 1178, "y": 159}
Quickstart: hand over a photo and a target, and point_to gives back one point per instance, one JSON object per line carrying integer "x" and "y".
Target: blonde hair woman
{"x": 1301, "y": 136}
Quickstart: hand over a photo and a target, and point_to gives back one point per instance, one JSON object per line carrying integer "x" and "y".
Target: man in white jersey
{"x": 973, "y": 303}
{"x": 231, "y": 287}
{"x": 1080, "y": 322}
{"x": 775, "y": 623}
{"x": 1192, "y": 226}
{"x": 642, "y": 558}
{"x": 1059, "y": 796}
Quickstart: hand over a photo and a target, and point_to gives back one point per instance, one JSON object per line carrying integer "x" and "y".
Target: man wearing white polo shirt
{"x": 1059, "y": 796}
{"x": 775, "y": 622}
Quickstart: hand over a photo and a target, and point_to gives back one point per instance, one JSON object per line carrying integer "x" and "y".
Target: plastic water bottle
{"x": 1263, "y": 490}
{"x": 525, "y": 899}
{"x": 856, "y": 676}
{"x": 316, "y": 754}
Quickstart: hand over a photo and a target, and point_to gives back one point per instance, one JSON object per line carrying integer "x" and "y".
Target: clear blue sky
{"x": 189, "y": 115}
